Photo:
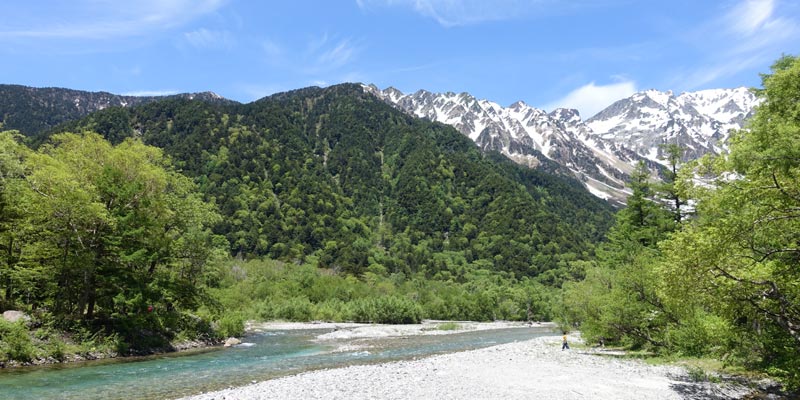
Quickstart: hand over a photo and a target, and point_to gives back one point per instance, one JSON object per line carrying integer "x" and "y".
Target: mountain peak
{"x": 566, "y": 114}
{"x": 518, "y": 105}
{"x": 660, "y": 98}
{"x": 698, "y": 121}
{"x": 600, "y": 151}
{"x": 391, "y": 89}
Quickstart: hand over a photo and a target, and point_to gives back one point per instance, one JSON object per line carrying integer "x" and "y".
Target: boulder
{"x": 232, "y": 341}
{"x": 14, "y": 316}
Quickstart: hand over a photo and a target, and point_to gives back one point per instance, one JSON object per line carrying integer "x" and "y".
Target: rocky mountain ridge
{"x": 33, "y": 110}
{"x": 600, "y": 151}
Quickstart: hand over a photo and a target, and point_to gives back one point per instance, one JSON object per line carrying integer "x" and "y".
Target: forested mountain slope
{"x": 35, "y": 110}
{"x": 601, "y": 151}
{"x": 340, "y": 176}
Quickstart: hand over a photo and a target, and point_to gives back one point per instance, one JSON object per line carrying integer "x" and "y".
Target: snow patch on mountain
{"x": 700, "y": 122}
{"x": 601, "y": 151}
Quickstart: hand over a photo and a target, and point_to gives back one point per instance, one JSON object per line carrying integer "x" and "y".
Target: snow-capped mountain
{"x": 700, "y": 122}
{"x": 600, "y": 151}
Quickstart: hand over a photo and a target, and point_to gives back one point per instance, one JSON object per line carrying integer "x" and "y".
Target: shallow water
{"x": 263, "y": 356}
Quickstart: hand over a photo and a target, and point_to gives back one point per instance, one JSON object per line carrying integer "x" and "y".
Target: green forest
{"x": 717, "y": 276}
{"x": 180, "y": 219}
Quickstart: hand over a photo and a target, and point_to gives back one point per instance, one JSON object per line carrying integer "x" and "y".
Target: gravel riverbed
{"x": 533, "y": 369}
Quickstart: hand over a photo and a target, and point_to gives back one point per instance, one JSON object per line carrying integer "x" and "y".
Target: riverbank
{"x": 78, "y": 353}
{"x": 70, "y": 356}
{"x": 537, "y": 368}
{"x": 349, "y": 330}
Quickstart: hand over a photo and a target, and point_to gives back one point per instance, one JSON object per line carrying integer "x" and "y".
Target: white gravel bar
{"x": 534, "y": 369}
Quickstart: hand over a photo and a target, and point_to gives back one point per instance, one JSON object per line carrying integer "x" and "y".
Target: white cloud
{"x": 325, "y": 54}
{"x": 720, "y": 70}
{"x": 750, "y": 15}
{"x": 207, "y": 39}
{"x": 320, "y": 60}
{"x": 338, "y": 54}
{"x": 450, "y": 13}
{"x": 740, "y": 40}
{"x": 106, "y": 19}
{"x": 590, "y": 99}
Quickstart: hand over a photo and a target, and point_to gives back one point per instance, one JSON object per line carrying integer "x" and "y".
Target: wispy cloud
{"x": 321, "y": 54}
{"x": 719, "y": 70}
{"x": 338, "y": 54}
{"x": 750, "y": 32}
{"x": 326, "y": 52}
{"x": 210, "y": 39}
{"x": 105, "y": 19}
{"x": 272, "y": 49}
{"x": 590, "y": 99}
{"x": 749, "y": 16}
{"x": 450, "y": 13}
{"x": 319, "y": 60}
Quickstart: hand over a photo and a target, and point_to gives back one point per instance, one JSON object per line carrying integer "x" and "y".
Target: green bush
{"x": 264, "y": 310}
{"x": 294, "y": 309}
{"x": 448, "y": 326}
{"x": 704, "y": 334}
{"x": 57, "y": 349}
{"x": 230, "y": 325}
{"x": 15, "y": 342}
{"x": 194, "y": 326}
{"x": 332, "y": 310}
{"x": 387, "y": 310}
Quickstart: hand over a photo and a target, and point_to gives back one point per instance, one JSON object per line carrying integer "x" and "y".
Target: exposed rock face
{"x": 14, "y": 316}
{"x": 232, "y": 341}
{"x": 600, "y": 151}
{"x": 700, "y": 122}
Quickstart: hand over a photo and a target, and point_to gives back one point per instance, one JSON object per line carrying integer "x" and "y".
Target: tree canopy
{"x": 93, "y": 229}
{"x": 725, "y": 281}
{"x": 338, "y": 175}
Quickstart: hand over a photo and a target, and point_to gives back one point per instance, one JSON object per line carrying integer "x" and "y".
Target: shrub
{"x": 294, "y": 309}
{"x": 15, "y": 342}
{"x": 230, "y": 325}
{"x": 702, "y": 335}
{"x": 194, "y": 326}
{"x": 332, "y": 310}
{"x": 387, "y": 310}
{"x": 57, "y": 349}
{"x": 448, "y": 326}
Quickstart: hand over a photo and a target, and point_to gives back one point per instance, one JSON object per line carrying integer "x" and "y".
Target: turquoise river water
{"x": 263, "y": 356}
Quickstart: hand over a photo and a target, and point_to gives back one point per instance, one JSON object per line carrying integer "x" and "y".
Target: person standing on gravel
{"x": 564, "y": 344}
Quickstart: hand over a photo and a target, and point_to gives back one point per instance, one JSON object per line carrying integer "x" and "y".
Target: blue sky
{"x": 576, "y": 53}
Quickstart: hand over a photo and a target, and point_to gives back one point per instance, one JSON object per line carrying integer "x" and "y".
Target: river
{"x": 262, "y": 356}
